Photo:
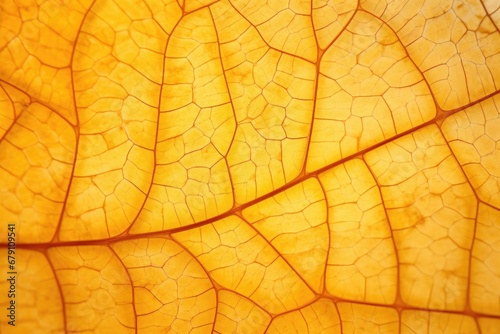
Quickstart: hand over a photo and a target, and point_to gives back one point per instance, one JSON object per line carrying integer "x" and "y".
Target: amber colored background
{"x": 243, "y": 166}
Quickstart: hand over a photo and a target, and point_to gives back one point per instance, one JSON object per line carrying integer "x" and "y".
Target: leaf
{"x": 250, "y": 167}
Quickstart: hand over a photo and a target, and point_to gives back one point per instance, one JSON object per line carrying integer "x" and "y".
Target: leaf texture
{"x": 235, "y": 166}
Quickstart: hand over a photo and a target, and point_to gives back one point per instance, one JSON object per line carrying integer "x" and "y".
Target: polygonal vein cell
{"x": 237, "y": 314}
{"x": 36, "y": 44}
{"x": 330, "y": 18}
{"x": 238, "y": 258}
{"x": 415, "y": 321}
{"x": 95, "y": 288}
{"x": 454, "y": 43}
{"x": 171, "y": 290}
{"x": 12, "y": 103}
{"x": 196, "y": 125}
{"x": 362, "y": 262}
{"x": 474, "y": 137}
{"x": 318, "y": 317}
{"x": 272, "y": 94}
{"x": 294, "y": 222}
{"x": 283, "y": 26}
{"x": 368, "y": 91}
{"x": 431, "y": 208}
{"x": 368, "y": 318}
{"x": 36, "y": 158}
{"x": 485, "y": 263}
{"x": 117, "y": 78}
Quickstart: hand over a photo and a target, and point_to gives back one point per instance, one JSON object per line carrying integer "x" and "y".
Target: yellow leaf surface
{"x": 235, "y": 166}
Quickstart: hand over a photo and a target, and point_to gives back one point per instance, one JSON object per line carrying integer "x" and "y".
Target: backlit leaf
{"x": 235, "y": 166}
